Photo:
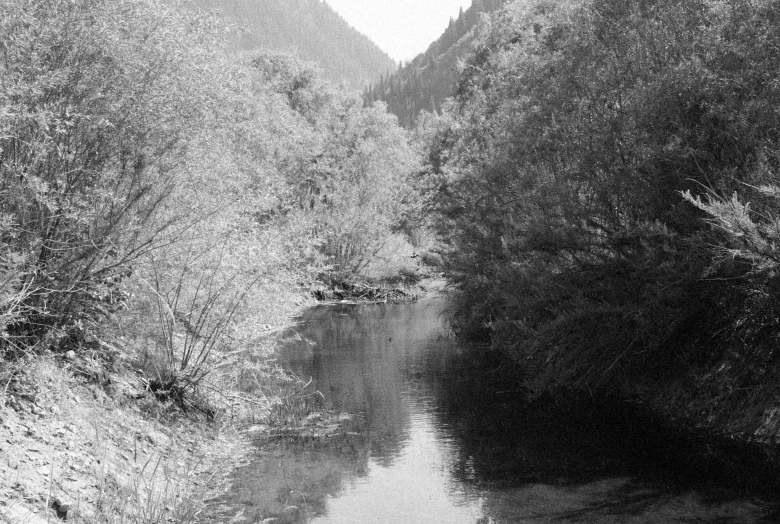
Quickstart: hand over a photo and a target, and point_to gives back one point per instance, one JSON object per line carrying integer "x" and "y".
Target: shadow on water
{"x": 510, "y": 440}
{"x": 437, "y": 434}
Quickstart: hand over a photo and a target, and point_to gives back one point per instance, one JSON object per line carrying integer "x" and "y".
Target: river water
{"x": 429, "y": 437}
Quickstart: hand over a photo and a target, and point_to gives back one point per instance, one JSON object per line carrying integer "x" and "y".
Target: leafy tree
{"x": 353, "y": 185}
{"x": 365, "y": 189}
{"x": 575, "y": 132}
{"x": 97, "y": 103}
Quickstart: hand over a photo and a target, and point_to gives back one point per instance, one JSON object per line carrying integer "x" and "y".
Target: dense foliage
{"x": 157, "y": 196}
{"x": 354, "y": 181}
{"x": 607, "y": 180}
{"x": 95, "y": 116}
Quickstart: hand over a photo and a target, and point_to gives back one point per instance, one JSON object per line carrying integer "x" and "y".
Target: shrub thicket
{"x": 189, "y": 198}
{"x": 593, "y": 175}
{"x": 95, "y": 113}
{"x": 355, "y": 181}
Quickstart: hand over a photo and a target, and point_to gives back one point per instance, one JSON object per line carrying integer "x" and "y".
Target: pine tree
{"x": 429, "y": 78}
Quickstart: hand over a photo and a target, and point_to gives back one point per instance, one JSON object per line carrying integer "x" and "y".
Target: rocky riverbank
{"x": 82, "y": 452}
{"x": 96, "y": 447}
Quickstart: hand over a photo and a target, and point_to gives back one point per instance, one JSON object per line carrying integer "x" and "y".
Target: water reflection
{"x": 436, "y": 439}
{"x": 354, "y": 359}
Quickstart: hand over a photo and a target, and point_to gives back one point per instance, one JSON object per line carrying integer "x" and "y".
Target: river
{"x": 430, "y": 437}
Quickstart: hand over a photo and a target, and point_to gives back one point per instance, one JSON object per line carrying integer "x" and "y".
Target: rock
{"x": 290, "y": 515}
{"x": 24, "y": 488}
{"x": 14, "y": 403}
{"x": 70, "y": 355}
{"x": 313, "y": 417}
{"x": 74, "y": 514}
{"x": 18, "y": 513}
{"x": 63, "y": 506}
{"x": 158, "y": 439}
{"x": 272, "y": 520}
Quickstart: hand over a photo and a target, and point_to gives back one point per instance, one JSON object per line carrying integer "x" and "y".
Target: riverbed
{"x": 427, "y": 435}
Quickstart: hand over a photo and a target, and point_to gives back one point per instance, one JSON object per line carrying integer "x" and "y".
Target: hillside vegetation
{"x": 308, "y": 28}
{"x": 607, "y": 181}
{"x": 162, "y": 205}
{"x": 425, "y": 83}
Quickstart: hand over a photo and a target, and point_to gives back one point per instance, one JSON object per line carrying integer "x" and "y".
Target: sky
{"x": 402, "y": 28}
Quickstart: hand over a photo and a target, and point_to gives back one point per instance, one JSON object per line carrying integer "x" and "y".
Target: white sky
{"x": 402, "y": 28}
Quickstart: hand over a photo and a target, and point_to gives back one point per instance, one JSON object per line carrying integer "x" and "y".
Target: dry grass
{"x": 114, "y": 459}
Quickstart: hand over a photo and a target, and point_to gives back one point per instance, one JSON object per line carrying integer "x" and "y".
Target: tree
{"x": 576, "y": 131}
{"x": 352, "y": 182}
{"x": 97, "y": 103}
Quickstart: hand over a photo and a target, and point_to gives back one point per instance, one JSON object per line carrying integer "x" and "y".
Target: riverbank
{"x": 401, "y": 288}
{"x": 82, "y": 452}
{"x": 104, "y": 451}
{"x": 88, "y": 441}
{"x": 86, "y": 450}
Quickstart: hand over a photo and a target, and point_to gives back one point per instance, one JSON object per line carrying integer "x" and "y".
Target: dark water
{"x": 434, "y": 438}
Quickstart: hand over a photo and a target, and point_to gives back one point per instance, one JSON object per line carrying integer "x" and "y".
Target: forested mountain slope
{"x": 311, "y": 29}
{"x": 428, "y": 80}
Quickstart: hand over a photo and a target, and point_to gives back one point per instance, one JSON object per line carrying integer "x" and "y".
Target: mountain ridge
{"x": 311, "y": 29}
{"x": 429, "y": 79}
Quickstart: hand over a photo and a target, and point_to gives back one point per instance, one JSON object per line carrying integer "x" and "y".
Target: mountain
{"x": 311, "y": 29}
{"x": 428, "y": 80}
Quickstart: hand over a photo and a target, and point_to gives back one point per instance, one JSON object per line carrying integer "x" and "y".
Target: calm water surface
{"x": 434, "y": 440}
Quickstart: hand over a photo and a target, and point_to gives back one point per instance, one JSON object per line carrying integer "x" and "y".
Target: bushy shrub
{"x": 354, "y": 183}
{"x": 98, "y": 101}
{"x": 160, "y": 198}
{"x": 561, "y": 170}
